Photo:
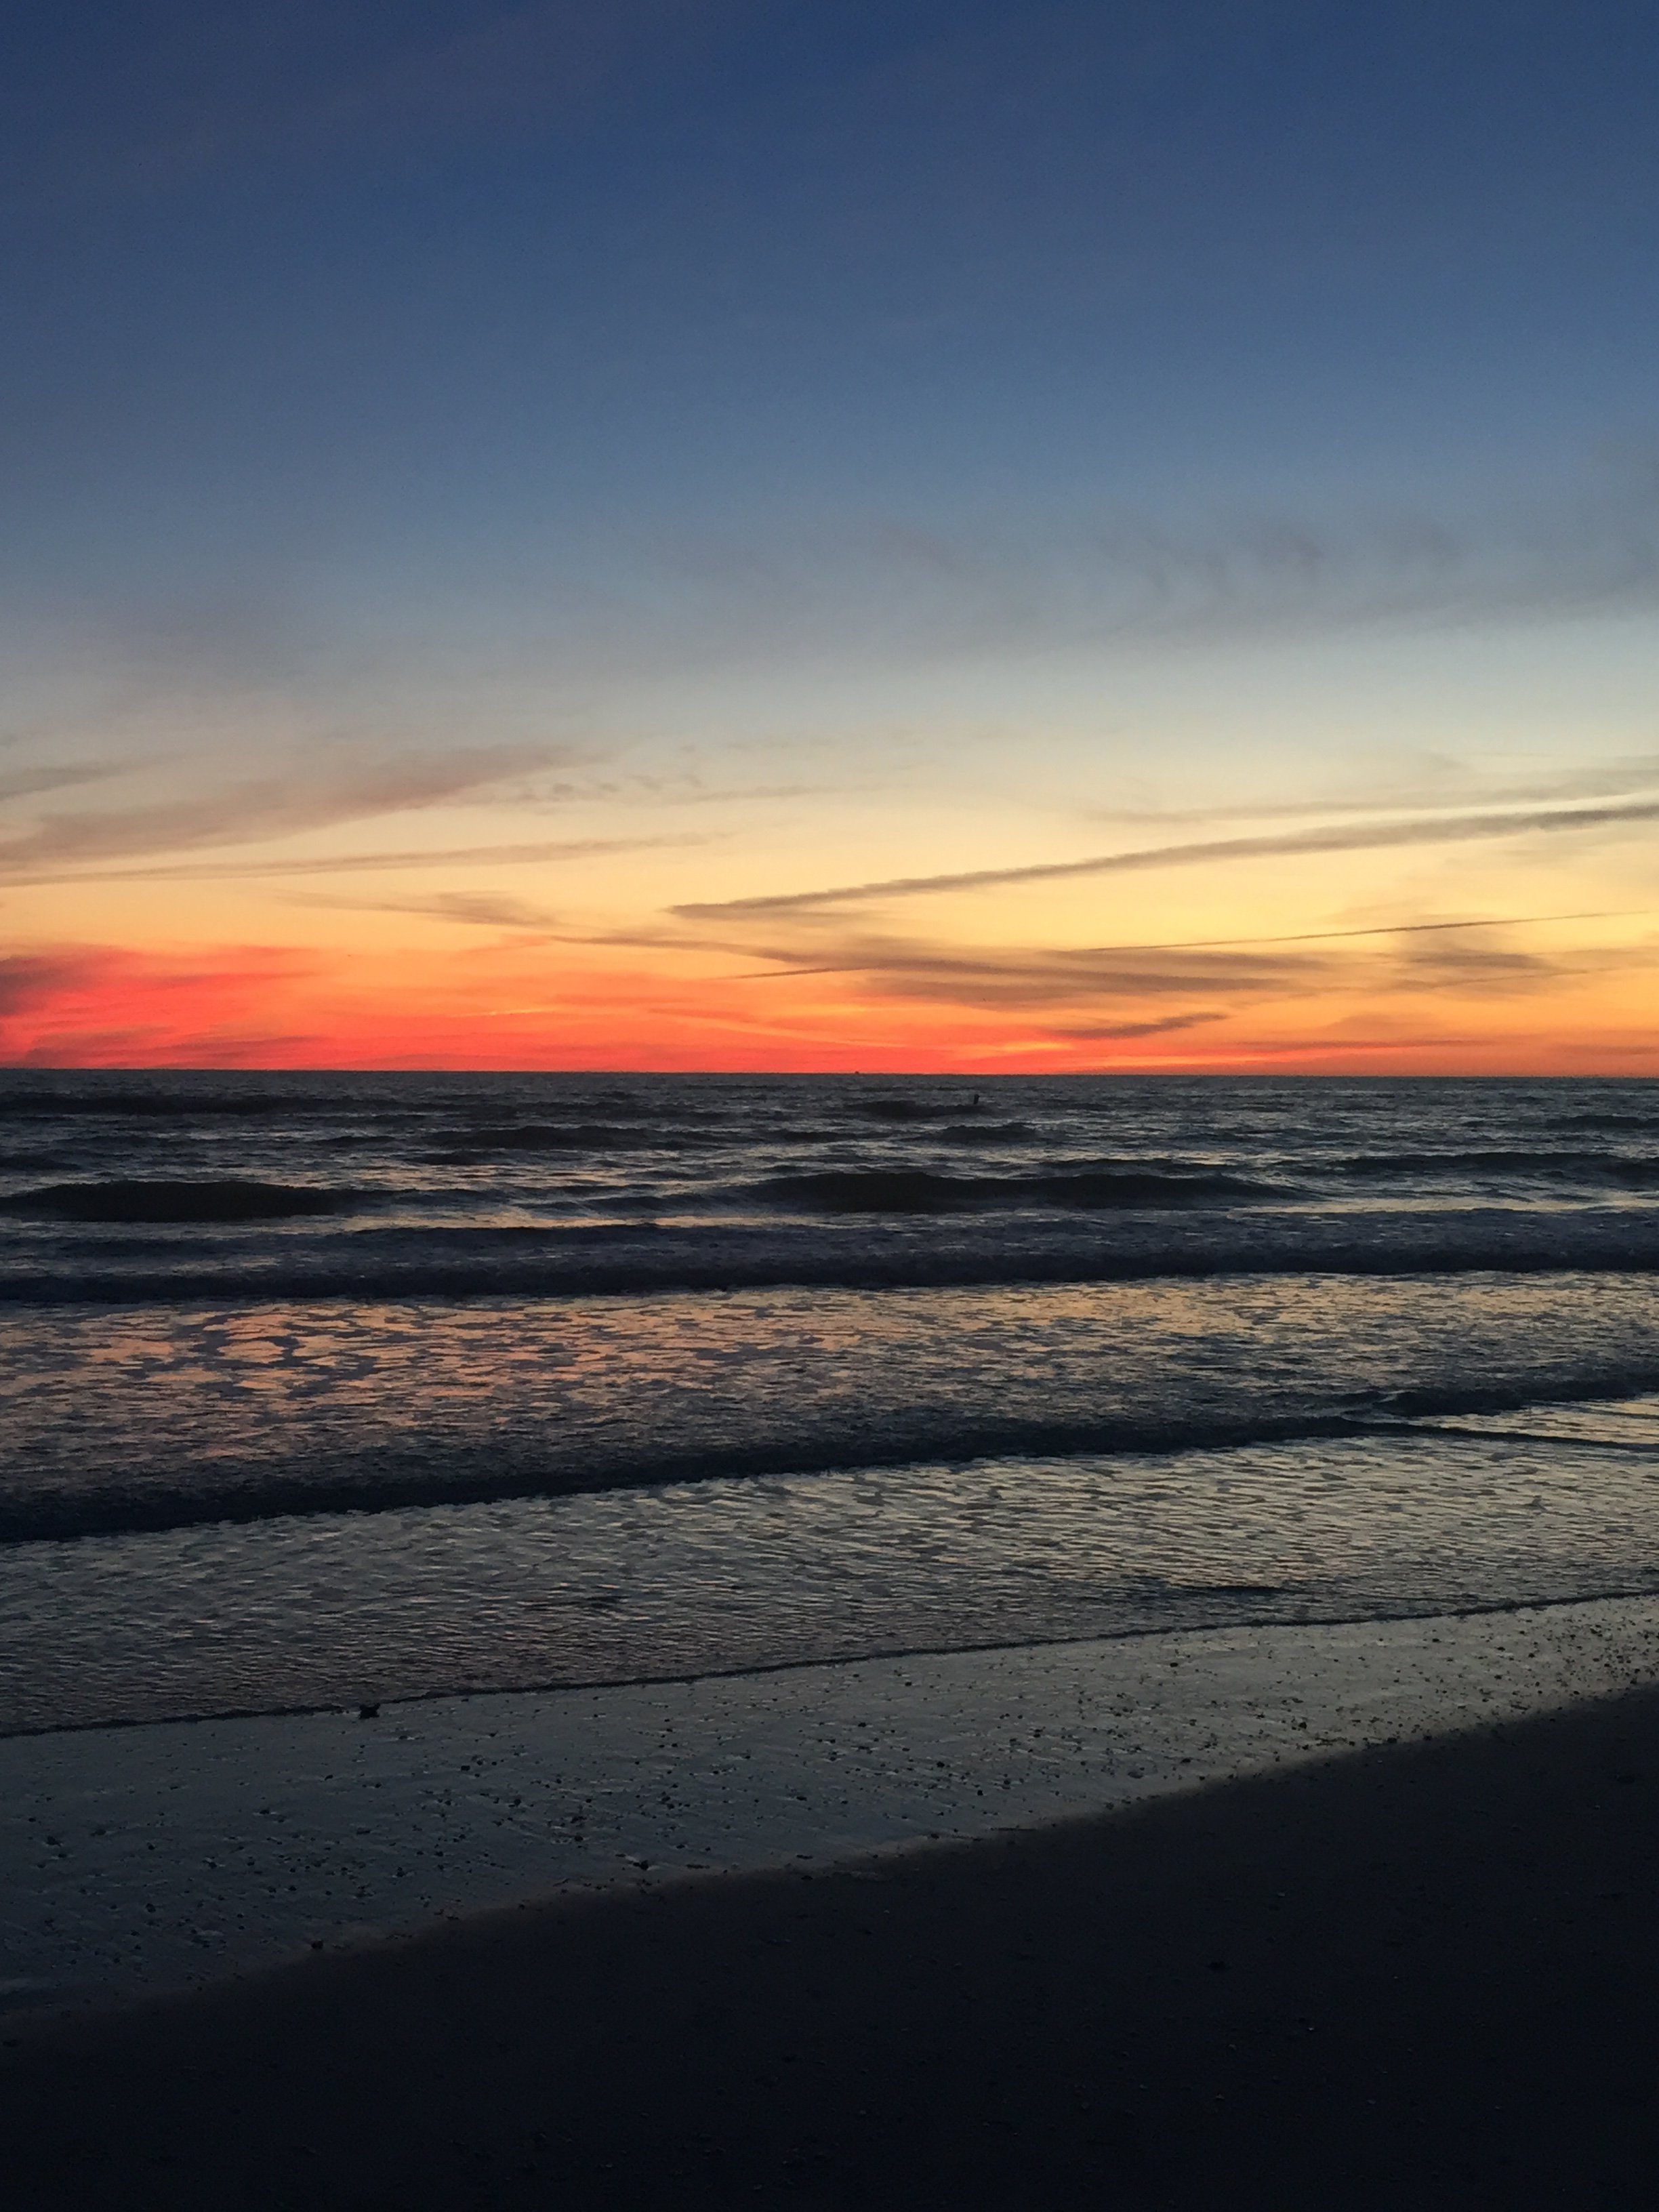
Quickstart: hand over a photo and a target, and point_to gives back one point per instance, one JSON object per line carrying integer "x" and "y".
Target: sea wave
{"x": 923, "y": 1190}
{"x": 162, "y": 1104}
{"x": 392, "y": 1477}
{"x": 227, "y": 1199}
{"x": 1583, "y": 1167}
{"x": 471, "y": 1144}
{"x": 879, "y": 1107}
{"x": 857, "y": 1252}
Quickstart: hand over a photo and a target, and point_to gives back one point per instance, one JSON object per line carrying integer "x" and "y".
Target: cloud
{"x": 29, "y": 782}
{"x": 458, "y": 856}
{"x": 28, "y": 979}
{"x": 1607, "y": 779}
{"x": 482, "y": 912}
{"x": 1162, "y": 1028}
{"x": 1334, "y": 838}
{"x": 803, "y": 960}
{"x": 1398, "y": 929}
{"x": 1089, "y": 577}
{"x": 1594, "y": 548}
{"x": 682, "y": 792}
{"x": 1109, "y": 983}
{"x": 95, "y": 1004}
{"x": 1473, "y": 963}
{"x": 264, "y": 807}
{"x": 1034, "y": 977}
{"x": 659, "y": 938}
{"x": 1460, "y": 955}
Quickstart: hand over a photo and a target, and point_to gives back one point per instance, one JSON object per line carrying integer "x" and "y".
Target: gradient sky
{"x": 776, "y": 533}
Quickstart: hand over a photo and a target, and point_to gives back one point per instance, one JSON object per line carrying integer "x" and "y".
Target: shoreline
{"x": 392, "y": 1706}
{"x": 164, "y": 1856}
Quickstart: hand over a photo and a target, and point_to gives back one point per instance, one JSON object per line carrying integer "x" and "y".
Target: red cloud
{"x": 98, "y": 1006}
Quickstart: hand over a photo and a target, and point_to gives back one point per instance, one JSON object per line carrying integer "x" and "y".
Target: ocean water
{"x": 317, "y": 1389}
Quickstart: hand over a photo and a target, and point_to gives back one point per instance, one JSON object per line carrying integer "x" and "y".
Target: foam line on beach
{"x": 154, "y": 1858}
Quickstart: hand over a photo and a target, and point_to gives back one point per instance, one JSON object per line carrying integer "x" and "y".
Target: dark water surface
{"x": 315, "y": 1388}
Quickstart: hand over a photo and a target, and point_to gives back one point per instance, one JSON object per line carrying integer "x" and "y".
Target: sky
{"x": 786, "y": 534}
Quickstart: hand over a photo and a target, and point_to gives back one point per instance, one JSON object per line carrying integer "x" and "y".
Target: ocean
{"x": 320, "y": 1390}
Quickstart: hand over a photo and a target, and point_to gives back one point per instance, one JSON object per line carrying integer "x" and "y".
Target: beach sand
{"x": 137, "y": 1860}
{"x": 1408, "y": 1976}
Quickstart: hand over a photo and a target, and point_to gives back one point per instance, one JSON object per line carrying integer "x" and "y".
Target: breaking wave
{"x": 228, "y": 1199}
{"x": 856, "y": 1250}
{"x": 921, "y": 1190}
{"x": 1609, "y": 1168}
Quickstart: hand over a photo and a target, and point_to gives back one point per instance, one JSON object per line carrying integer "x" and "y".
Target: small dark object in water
{"x": 368, "y": 1712}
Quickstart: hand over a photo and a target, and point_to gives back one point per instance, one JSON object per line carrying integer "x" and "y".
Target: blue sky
{"x": 373, "y": 272}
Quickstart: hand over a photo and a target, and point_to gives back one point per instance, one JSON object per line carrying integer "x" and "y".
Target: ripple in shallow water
{"x": 727, "y": 1575}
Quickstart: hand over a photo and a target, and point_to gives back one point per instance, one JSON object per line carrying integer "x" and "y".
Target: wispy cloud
{"x": 806, "y": 966}
{"x": 1090, "y": 577}
{"x": 1342, "y": 837}
{"x": 95, "y": 1004}
{"x": 481, "y": 912}
{"x": 1162, "y": 1028}
{"x": 1110, "y": 984}
{"x": 305, "y": 798}
{"x": 1025, "y": 977}
{"x": 38, "y": 979}
{"x": 1454, "y": 789}
{"x": 1398, "y": 929}
{"x": 339, "y": 864}
{"x": 1593, "y": 547}
{"x": 30, "y": 782}
{"x": 1476, "y": 961}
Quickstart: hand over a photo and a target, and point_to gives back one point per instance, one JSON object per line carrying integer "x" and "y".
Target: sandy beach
{"x": 1412, "y": 1974}
{"x": 1417, "y": 1976}
{"x": 138, "y": 1860}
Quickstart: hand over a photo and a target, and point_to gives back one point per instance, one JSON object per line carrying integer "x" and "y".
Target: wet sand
{"x": 136, "y": 1860}
{"x": 1413, "y": 1977}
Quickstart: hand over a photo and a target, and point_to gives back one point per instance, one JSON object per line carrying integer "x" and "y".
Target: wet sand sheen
{"x": 136, "y": 1860}
{"x": 1416, "y": 1975}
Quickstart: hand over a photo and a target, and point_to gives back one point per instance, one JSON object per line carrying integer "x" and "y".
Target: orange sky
{"x": 881, "y": 985}
{"x": 1346, "y": 849}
